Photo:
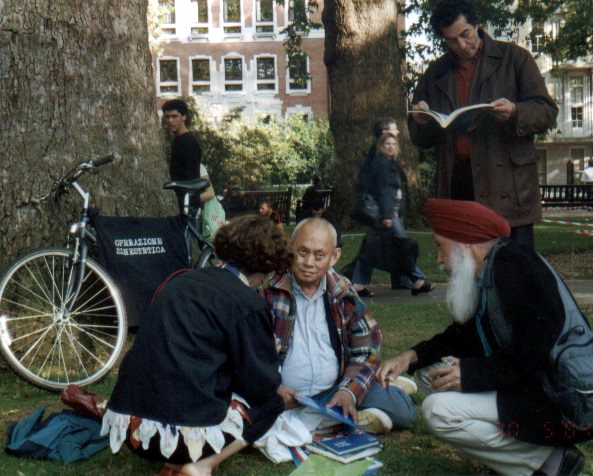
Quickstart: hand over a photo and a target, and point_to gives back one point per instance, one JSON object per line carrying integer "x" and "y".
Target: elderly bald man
{"x": 329, "y": 342}
{"x": 488, "y": 398}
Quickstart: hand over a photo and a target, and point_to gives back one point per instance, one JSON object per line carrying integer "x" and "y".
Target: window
{"x": 199, "y": 17}
{"x": 167, "y": 15}
{"x": 576, "y": 90}
{"x": 298, "y": 74}
{"x": 264, "y": 16}
{"x": 233, "y": 74}
{"x": 576, "y": 116}
{"x": 297, "y": 10}
{"x": 266, "y": 73}
{"x": 231, "y": 11}
{"x": 577, "y": 156}
{"x": 542, "y": 166}
{"x": 537, "y": 37}
{"x": 200, "y": 75}
{"x": 168, "y": 76}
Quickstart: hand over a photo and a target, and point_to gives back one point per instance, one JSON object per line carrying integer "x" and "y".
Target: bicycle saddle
{"x": 195, "y": 185}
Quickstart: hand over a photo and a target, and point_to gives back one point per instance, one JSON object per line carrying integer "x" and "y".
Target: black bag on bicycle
{"x": 139, "y": 253}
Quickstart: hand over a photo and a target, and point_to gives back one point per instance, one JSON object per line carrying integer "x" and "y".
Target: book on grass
{"x": 348, "y": 457}
{"x": 445, "y": 120}
{"x": 316, "y": 465}
{"x": 350, "y": 443}
{"x": 346, "y": 447}
{"x": 336, "y": 414}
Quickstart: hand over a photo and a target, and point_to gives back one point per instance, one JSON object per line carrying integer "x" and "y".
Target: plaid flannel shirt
{"x": 359, "y": 334}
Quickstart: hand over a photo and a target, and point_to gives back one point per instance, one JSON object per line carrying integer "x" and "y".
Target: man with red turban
{"x": 485, "y": 381}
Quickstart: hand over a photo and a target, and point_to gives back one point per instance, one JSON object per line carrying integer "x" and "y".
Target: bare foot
{"x": 203, "y": 467}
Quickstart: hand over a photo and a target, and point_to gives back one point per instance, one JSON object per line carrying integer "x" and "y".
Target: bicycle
{"x": 62, "y": 317}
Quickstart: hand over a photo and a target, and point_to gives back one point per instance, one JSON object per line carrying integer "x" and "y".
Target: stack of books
{"x": 346, "y": 448}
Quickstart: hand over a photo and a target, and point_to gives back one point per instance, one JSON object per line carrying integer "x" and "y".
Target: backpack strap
{"x": 574, "y": 319}
{"x": 500, "y": 326}
{"x": 166, "y": 281}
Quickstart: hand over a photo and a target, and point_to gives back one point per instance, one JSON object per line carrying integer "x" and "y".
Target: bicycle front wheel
{"x": 52, "y": 337}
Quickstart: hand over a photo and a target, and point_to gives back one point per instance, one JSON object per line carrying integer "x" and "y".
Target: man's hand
{"x": 344, "y": 400}
{"x": 420, "y": 118}
{"x": 503, "y": 109}
{"x": 395, "y": 367}
{"x": 387, "y": 223}
{"x": 446, "y": 378}
{"x": 288, "y": 395}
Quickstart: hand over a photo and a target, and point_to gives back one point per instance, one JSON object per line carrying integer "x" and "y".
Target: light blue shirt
{"x": 311, "y": 365}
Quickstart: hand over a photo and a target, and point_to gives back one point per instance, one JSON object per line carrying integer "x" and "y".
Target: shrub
{"x": 266, "y": 152}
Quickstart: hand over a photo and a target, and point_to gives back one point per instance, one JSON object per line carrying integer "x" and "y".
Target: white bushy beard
{"x": 462, "y": 293}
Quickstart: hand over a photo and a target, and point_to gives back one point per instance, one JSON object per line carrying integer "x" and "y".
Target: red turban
{"x": 465, "y": 222}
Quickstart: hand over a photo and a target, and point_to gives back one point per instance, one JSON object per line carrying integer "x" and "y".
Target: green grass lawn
{"x": 413, "y": 452}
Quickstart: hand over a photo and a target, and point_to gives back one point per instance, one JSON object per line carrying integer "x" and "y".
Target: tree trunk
{"x": 76, "y": 82}
{"x": 362, "y": 56}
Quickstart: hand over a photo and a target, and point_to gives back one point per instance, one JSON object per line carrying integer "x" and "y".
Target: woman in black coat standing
{"x": 200, "y": 382}
{"x": 382, "y": 177}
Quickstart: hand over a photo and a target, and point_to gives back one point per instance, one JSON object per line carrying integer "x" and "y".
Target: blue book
{"x": 347, "y": 444}
{"x": 335, "y": 413}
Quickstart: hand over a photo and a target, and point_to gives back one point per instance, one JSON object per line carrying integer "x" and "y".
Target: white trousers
{"x": 469, "y": 421}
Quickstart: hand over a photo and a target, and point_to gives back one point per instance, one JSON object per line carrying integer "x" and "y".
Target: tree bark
{"x": 362, "y": 56}
{"x": 76, "y": 82}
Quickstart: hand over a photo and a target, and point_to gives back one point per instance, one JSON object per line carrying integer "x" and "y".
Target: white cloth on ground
{"x": 116, "y": 425}
{"x": 292, "y": 428}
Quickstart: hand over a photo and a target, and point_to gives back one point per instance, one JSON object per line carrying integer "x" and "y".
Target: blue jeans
{"x": 362, "y": 272}
{"x": 392, "y": 400}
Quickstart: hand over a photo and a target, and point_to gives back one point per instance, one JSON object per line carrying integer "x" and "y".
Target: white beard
{"x": 462, "y": 294}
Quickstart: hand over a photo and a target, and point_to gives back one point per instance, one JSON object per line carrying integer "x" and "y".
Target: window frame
{"x": 287, "y": 9}
{"x": 537, "y": 33}
{"x": 299, "y": 91}
{"x": 266, "y": 81}
{"x": 200, "y": 25}
{"x": 233, "y": 56}
{"x": 193, "y": 82}
{"x": 168, "y": 29}
{"x": 579, "y": 163}
{"x": 575, "y": 112}
{"x": 160, "y": 83}
{"x": 542, "y": 166}
{"x": 224, "y": 24}
{"x": 272, "y": 23}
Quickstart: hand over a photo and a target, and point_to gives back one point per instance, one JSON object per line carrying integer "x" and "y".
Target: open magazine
{"x": 445, "y": 120}
{"x": 329, "y": 412}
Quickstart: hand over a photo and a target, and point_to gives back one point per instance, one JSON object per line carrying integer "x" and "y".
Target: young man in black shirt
{"x": 186, "y": 154}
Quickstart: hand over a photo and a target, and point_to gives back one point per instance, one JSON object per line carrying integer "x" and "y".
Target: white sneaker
{"x": 374, "y": 420}
{"x": 405, "y": 384}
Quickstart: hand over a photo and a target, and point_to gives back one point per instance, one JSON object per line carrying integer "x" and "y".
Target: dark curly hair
{"x": 447, "y": 12}
{"x": 254, "y": 244}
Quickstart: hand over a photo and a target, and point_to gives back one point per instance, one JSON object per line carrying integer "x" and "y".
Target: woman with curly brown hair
{"x": 200, "y": 381}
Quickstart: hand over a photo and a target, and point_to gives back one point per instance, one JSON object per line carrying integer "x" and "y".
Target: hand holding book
{"x": 422, "y": 114}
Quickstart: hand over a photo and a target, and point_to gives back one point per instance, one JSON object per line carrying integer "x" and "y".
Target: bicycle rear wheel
{"x": 207, "y": 258}
{"x": 50, "y": 337}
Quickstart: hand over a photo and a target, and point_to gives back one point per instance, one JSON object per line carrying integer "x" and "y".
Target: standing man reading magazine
{"x": 485, "y": 155}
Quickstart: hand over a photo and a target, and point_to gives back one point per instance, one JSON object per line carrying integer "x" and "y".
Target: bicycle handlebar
{"x": 105, "y": 160}
{"x": 60, "y": 185}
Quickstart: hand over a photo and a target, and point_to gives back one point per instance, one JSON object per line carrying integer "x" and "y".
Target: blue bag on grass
{"x": 64, "y": 437}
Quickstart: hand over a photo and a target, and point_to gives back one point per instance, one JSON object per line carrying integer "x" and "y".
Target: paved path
{"x": 581, "y": 289}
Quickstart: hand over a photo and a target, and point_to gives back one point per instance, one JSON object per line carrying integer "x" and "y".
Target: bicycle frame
{"x": 80, "y": 249}
{"x": 192, "y": 229}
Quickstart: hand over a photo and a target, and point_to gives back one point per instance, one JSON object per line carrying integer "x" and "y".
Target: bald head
{"x": 309, "y": 224}
{"x": 314, "y": 245}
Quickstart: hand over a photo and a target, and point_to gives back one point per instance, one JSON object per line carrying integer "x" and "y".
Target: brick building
{"x": 229, "y": 55}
